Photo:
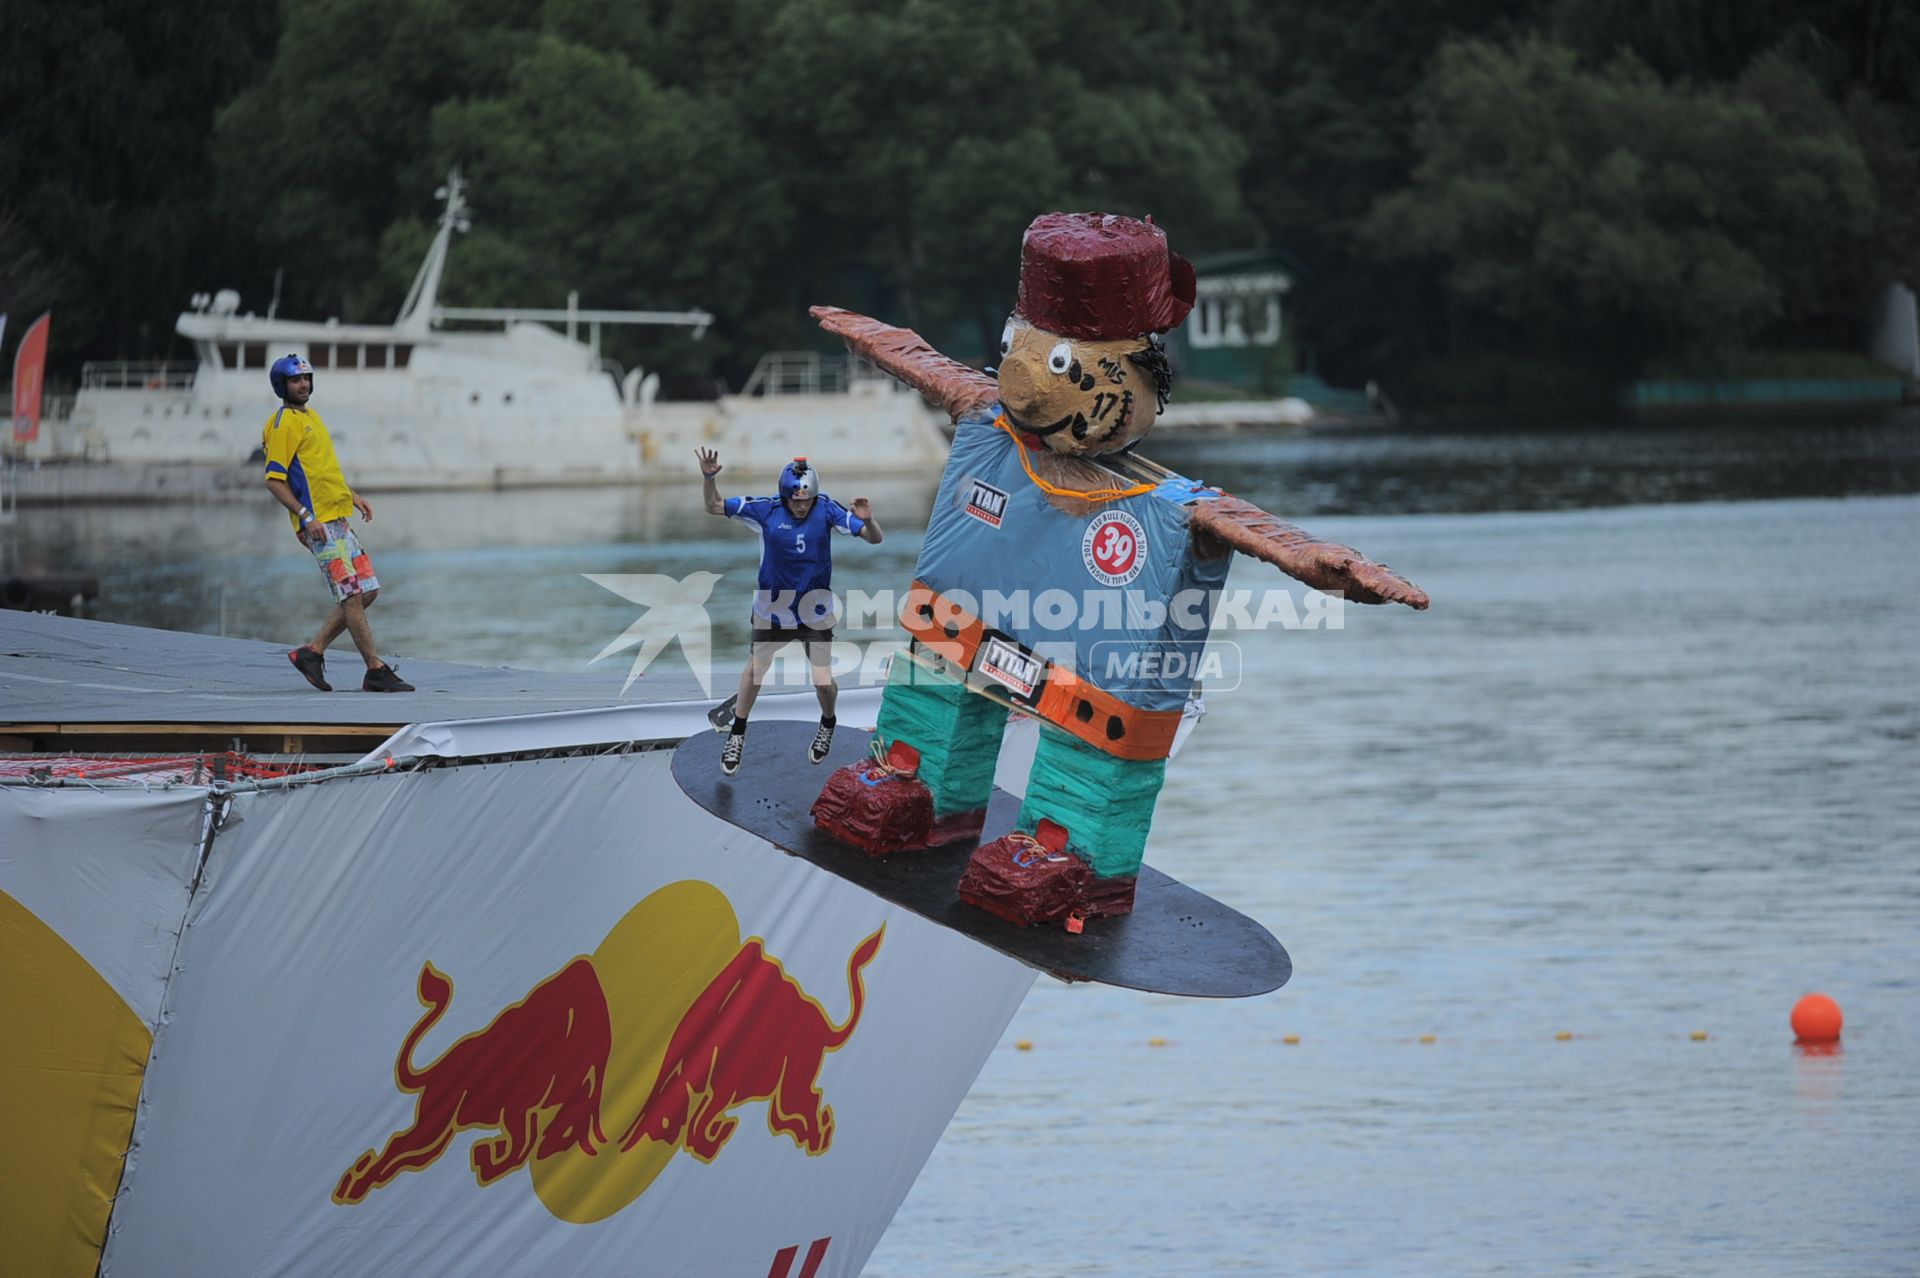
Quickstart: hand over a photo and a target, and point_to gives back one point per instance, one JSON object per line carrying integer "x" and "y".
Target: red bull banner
{"x": 29, "y": 379}
{"x": 536, "y": 1018}
{"x": 93, "y": 890}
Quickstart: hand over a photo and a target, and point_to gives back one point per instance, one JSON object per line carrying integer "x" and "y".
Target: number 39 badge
{"x": 1114, "y": 548}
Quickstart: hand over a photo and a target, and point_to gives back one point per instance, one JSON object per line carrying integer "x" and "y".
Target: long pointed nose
{"x": 1020, "y": 384}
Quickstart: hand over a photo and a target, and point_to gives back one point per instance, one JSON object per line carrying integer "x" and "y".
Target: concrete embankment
{"x": 77, "y": 481}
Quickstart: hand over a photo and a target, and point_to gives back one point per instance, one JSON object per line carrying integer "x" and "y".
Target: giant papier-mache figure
{"x": 1045, "y": 516}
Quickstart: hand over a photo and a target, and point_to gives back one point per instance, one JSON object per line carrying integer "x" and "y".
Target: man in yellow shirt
{"x": 304, "y": 476}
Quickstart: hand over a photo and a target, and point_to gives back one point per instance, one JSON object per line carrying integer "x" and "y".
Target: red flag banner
{"x": 29, "y": 380}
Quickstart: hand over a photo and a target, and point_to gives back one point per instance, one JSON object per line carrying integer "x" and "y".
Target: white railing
{"x": 796, "y": 373}
{"x": 807, "y": 373}
{"x": 118, "y": 374}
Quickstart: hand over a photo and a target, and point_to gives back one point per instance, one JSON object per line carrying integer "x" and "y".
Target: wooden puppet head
{"x": 1081, "y": 362}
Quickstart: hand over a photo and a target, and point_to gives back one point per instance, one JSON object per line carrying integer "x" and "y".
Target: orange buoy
{"x": 1816, "y": 1019}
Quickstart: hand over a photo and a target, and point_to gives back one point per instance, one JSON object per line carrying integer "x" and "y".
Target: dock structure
{"x": 225, "y": 928}
{"x": 73, "y": 686}
{"x": 234, "y": 923}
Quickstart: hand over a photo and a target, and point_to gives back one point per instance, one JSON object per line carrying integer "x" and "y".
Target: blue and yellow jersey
{"x": 300, "y": 451}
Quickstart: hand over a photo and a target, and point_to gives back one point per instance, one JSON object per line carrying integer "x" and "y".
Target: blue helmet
{"x": 799, "y": 480}
{"x": 283, "y": 368}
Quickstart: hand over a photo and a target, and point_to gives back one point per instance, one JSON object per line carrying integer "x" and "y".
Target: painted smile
{"x": 1076, "y": 420}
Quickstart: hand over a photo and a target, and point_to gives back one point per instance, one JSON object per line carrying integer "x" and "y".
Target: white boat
{"x": 430, "y": 401}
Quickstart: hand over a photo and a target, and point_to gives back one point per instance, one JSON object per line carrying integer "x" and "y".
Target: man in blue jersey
{"x": 794, "y": 599}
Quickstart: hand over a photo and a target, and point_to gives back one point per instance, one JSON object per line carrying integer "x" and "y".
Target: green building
{"x": 1237, "y": 333}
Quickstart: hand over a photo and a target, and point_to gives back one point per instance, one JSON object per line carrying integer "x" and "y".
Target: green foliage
{"x": 1871, "y": 44}
{"x": 104, "y": 173}
{"x": 1890, "y": 142}
{"x": 750, "y": 158}
{"x": 1771, "y": 365}
{"x": 1508, "y": 189}
{"x": 1328, "y": 121}
{"x": 1277, "y": 364}
{"x": 1606, "y": 211}
{"x": 1478, "y": 381}
{"x": 330, "y": 148}
{"x": 916, "y": 141}
{"x": 586, "y": 171}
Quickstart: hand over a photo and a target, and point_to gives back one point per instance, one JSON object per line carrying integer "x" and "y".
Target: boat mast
{"x": 416, "y": 313}
{"x": 420, "y": 313}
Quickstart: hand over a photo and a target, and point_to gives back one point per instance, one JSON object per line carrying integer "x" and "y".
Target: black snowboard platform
{"x": 1176, "y": 941}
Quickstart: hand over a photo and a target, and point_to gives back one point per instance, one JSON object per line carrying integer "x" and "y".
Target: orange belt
{"x": 1067, "y": 701}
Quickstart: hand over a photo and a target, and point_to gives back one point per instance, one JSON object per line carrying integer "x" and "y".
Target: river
{"x": 1553, "y": 860}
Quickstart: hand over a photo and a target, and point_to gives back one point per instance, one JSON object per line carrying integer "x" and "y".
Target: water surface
{"x": 1649, "y": 768}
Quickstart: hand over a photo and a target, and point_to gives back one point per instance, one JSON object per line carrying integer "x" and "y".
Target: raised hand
{"x": 709, "y": 459}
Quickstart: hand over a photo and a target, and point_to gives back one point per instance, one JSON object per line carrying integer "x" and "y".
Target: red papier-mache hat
{"x": 1101, "y": 277}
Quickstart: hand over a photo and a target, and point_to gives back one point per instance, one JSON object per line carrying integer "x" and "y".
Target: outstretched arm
{"x": 902, "y": 353}
{"x": 1324, "y": 565}
{"x": 863, "y": 511}
{"x": 709, "y": 459}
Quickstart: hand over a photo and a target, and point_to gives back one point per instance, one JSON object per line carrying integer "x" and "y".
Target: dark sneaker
{"x": 730, "y": 753}
{"x": 721, "y": 716}
{"x": 309, "y": 661}
{"x": 384, "y": 679}
{"x": 822, "y": 742}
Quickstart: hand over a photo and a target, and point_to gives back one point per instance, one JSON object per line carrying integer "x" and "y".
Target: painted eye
{"x": 1060, "y": 356}
{"x": 1006, "y": 339}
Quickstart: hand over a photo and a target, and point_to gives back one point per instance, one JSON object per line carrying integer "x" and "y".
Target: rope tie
{"x": 1096, "y": 495}
{"x": 1029, "y": 850}
{"x": 886, "y": 771}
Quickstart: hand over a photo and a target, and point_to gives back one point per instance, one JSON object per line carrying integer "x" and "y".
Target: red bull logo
{"x": 705, "y": 1077}
{"x": 534, "y": 1075}
{"x": 608, "y": 1034}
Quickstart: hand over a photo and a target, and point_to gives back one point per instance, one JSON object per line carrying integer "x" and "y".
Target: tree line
{"x": 1475, "y": 192}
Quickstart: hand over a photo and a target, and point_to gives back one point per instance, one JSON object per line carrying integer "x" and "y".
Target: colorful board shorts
{"x": 342, "y": 561}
